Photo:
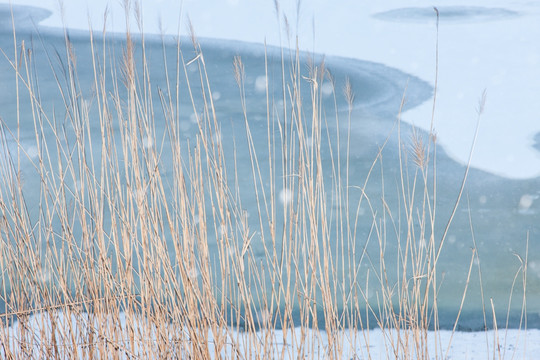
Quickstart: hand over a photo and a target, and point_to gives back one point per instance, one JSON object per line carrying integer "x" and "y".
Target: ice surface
{"x": 459, "y": 14}
{"x": 501, "y": 55}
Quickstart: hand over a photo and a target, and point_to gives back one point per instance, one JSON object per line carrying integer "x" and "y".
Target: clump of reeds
{"x": 126, "y": 255}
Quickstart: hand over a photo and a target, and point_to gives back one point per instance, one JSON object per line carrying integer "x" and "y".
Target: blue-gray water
{"x": 501, "y": 213}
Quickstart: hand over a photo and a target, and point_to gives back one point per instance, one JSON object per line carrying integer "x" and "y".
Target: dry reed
{"x": 129, "y": 255}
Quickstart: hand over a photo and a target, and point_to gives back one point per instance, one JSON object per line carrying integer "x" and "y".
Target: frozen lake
{"x": 503, "y": 211}
{"x": 481, "y": 46}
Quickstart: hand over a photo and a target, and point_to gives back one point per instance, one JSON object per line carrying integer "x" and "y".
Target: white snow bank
{"x": 70, "y": 333}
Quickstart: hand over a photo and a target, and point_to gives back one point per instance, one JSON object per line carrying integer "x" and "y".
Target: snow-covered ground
{"x": 491, "y": 45}
{"x": 367, "y": 344}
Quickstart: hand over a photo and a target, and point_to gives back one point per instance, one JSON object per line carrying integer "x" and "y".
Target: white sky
{"x": 500, "y": 56}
